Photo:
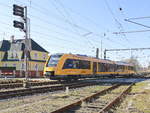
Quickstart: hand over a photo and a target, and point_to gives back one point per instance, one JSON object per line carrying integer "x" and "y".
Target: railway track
{"x": 18, "y": 85}
{"x": 43, "y": 89}
{"x": 100, "y": 102}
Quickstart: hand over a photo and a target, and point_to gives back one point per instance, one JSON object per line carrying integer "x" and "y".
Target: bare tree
{"x": 135, "y": 62}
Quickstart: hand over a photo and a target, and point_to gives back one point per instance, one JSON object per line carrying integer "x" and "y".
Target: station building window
{"x": 35, "y": 55}
{"x": 44, "y": 56}
{"x": 22, "y": 66}
{"x": 16, "y": 55}
{"x": 14, "y": 65}
{"x": 12, "y": 56}
{"x": 5, "y": 65}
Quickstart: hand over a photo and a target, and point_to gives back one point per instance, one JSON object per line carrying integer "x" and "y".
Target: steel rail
{"x": 35, "y": 83}
{"x": 116, "y": 100}
{"x": 17, "y": 85}
{"x": 105, "y": 108}
{"x": 35, "y": 90}
{"x": 78, "y": 103}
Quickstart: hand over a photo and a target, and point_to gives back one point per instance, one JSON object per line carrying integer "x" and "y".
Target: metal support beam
{"x": 134, "y": 49}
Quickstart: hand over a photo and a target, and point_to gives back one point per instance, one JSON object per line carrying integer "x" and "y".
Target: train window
{"x": 53, "y": 60}
{"x": 68, "y": 64}
{"x": 84, "y": 64}
{"x": 101, "y": 67}
{"x": 111, "y": 67}
{"x": 106, "y": 66}
{"x": 71, "y": 64}
{"x": 130, "y": 68}
{"x": 119, "y": 68}
{"x": 115, "y": 67}
{"x": 94, "y": 67}
{"x": 76, "y": 64}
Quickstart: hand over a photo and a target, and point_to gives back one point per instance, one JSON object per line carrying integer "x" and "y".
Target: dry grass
{"x": 18, "y": 80}
{"x": 138, "y": 101}
{"x": 14, "y": 80}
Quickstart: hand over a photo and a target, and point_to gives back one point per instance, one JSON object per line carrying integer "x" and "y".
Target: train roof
{"x": 123, "y": 63}
{"x": 94, "y": 58}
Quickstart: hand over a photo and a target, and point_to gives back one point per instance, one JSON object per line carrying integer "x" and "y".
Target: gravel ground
{"x": 47, "y": 102}
{"x": 138, "y": 101}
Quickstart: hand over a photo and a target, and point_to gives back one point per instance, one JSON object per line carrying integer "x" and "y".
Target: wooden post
{"x": 0, "y": 72}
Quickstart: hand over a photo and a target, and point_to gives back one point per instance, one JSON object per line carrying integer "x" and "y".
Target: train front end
{"x": 51, "y": 64}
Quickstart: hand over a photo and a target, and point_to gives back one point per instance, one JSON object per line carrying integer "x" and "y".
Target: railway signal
{"x": 18, "y": 10}
{"x": 18, "y": 24}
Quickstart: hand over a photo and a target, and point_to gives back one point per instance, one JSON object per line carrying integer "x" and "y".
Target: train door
{"x": 94, "y": 67}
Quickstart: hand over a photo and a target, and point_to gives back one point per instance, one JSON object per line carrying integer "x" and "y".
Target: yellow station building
{"x": 12, "y": 54}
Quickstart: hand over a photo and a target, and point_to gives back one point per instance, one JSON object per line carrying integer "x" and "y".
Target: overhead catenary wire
{"x": 43, "y": 11}
{"x": 58, "y": 26}
{"x": 47, "y": 29}
{"x": 136, "y": 23}
{"x": 51, "y": 45}
{"x": 85, "y": 18}
{"x": 136, "y": 18}
{"x": 54, "y": 2}
{"x": 116, "y": 20}
{"x": 11, "y": 7}
{"x": 39, "y": 33}
{"x": 46, "y": 34}
{"x": 147, "y": 30}
{"x": 71, "y": 22}
{"x": 85, "y": 29}
{"x": 120, "y": 8}
{"x": 81, "y": 35}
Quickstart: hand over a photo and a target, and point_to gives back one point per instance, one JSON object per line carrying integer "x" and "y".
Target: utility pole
{"x": 97, "y": 52}
{"x": 101, "y": 49}
{"x": 22, "y": 12}
{"x": 105, "y": 54}
{"x": 26, "y": 48}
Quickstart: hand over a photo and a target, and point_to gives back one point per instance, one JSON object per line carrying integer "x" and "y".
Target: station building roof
{"x": 19, "y": 45}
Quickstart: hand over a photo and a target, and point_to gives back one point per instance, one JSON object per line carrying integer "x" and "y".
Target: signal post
{"x": 22, "y": 12}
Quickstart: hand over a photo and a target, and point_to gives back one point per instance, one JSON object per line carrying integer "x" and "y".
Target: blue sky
{"x": 78, "y": 26}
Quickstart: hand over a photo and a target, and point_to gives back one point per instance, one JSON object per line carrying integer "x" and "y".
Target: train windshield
{"x": 53, "y": 60}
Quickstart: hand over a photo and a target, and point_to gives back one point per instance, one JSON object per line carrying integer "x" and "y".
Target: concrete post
{"x": 67, "y": 90}
{"x": 14, "y": 73}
